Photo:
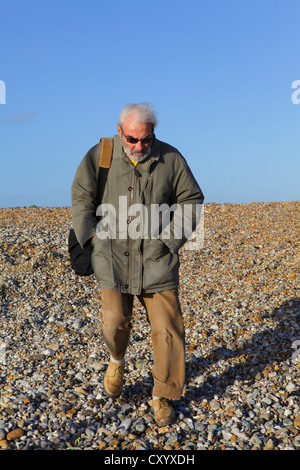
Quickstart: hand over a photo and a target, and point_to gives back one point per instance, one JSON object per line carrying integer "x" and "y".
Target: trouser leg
{"x": 167, "y": 332}
{"x": 116, "y": 316}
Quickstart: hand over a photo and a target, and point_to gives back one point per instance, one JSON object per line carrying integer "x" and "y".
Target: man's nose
{"x": 139, "y": 146}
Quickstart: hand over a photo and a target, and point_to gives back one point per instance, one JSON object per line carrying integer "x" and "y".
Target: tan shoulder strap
{"x": 107, "y": 145}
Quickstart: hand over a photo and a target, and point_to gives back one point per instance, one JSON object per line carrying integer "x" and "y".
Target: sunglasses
{"x": 133, "y": 140}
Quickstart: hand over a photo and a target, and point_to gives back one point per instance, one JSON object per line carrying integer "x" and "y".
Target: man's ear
{"x": 119, "y": 131}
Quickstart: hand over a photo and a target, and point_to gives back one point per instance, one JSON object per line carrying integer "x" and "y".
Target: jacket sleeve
{"x": 84, "y": 194}
{"x": 187, "y": 201}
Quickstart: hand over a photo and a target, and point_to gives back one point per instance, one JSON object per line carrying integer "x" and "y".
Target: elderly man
{"x": 141, "y": 259}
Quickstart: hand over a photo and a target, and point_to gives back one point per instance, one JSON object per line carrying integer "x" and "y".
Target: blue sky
{"x": 218, "y": 72}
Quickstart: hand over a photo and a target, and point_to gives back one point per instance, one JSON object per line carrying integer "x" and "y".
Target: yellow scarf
{"x": 135, "y": 163}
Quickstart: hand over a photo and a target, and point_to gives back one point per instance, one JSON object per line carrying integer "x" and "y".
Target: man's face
{"x": 137, "y": 130}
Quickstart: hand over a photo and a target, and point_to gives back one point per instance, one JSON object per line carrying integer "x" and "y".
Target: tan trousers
{"x": 167, "y": 333}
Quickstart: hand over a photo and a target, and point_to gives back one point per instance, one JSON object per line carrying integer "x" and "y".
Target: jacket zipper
{"x": 142, "y": 228}
{"x": 128, "y": 222}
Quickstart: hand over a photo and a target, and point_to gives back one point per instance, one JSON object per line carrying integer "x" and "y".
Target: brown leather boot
{"x": 113, "y": 380}
{"x": 163, "y": 412}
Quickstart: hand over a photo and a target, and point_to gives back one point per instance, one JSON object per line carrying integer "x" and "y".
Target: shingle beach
{"x": 240, "y": 296}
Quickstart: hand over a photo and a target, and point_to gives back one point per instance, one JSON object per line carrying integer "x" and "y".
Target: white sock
{"x": 116, "y": 361}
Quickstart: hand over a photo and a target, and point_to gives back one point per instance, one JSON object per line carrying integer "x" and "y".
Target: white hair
{"x": 143, "y": 112}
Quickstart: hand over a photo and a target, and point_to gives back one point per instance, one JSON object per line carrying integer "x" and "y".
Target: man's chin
{"x": 137, "y": 157}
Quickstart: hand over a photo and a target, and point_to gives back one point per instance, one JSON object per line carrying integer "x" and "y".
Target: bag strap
{"x": 106, "y": 151}
{"x": 107, "y": 145}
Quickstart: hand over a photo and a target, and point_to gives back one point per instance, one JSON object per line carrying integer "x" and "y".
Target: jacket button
{"x": 125, "y": 286}
{"x": 126, "y": 253}
{"x": 130, "y": 188}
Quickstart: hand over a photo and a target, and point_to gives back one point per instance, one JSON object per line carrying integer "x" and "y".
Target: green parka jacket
{"x": 135, "y": 249}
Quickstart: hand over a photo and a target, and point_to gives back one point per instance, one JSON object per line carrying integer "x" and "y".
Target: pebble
{"x": 15, "y": 434}
{"x": 269, "y": 445}
{"x": 240, "y": 299}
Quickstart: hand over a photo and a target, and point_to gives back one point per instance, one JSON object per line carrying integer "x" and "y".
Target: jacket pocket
{"x": 155, "y": 249}
{"x": 102, "y": 260}
{"x": 160, "y": 266}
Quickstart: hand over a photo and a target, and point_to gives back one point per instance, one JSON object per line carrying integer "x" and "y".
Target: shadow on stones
{"x": 249, "y": 361}
{"x": 140, "y": 391}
